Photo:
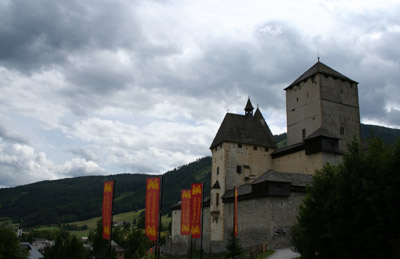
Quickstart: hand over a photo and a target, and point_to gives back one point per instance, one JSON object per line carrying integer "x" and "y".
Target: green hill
{"x": 75, "y": 199}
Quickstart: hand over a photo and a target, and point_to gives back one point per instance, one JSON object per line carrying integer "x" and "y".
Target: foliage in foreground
{"x": 67, "y": 246}
{"x": 233, "y": 247}
{"x": 132, "y": 240}
{"x": 352, "y": 210}
{"x": 9, "y": 245}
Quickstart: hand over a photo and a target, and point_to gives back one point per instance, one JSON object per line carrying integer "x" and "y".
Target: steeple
{"x": 249, "y": 108}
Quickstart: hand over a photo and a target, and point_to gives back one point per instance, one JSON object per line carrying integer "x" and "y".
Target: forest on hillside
{"x": 74, "y": 199}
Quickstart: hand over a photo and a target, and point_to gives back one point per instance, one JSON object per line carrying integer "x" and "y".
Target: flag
{"x": 196, "y": 200}
{"x": 236, "y": 214}
{"x": 108, "y": 193}
{"x": 185, "y": 211}
{"x": 152, "y": 207}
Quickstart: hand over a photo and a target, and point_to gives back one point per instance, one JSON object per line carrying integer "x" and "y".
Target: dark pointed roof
{"x": 321, "y": 132}
{"x": 321, "y": 68}
{"x": 249, "y": 106}
{"x": 252, "y": 130}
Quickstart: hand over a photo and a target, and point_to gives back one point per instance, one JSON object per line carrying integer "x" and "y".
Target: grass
{"x": 91, "y": 223}
{"x": 267, "y": 253}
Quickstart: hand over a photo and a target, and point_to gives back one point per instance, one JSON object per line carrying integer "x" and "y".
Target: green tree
{"x": 66, "y": 247}
{"x": 10, "y": 246}
{"x": 351, "y": 210}
{"x": 234, "y": 247}
{"x": 141, "y": 221}
{"x": 136, "y": 244}
{"x": 100, "y": 245}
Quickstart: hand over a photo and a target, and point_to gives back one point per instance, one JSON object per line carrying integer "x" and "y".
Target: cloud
{"x": 21, "y": 164}
{"x": 86, "y": 154}
{"x": 5, "y": 135}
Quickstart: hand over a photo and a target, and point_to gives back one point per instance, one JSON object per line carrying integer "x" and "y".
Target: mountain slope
{"x": 67, "y": 200}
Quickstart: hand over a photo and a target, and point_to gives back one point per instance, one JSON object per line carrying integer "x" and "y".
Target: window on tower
{"x": 303, "y": 133}
{"x": 239, "y": 169}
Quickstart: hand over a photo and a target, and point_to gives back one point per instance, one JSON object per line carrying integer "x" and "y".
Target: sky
{"x": 100, "y": 87}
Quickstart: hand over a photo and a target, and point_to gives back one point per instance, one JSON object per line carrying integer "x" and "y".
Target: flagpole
{"x": 159, "y": 218}
{"x": 112, "y": 213}
{"x": 233, "y": 230}
{"x": 202, "y": 210}
{"x": 191, "y": 246}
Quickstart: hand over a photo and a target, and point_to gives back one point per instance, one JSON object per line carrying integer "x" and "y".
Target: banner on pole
{"x": 152, "y": 207}
{"x": 196, "y": 200}
{"x": 108, "y": 192}
{"x": 236, "y": 213}
{"x": 185, "y": 211}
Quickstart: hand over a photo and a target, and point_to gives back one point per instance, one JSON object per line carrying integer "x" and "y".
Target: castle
{"x": 322, "y": 112}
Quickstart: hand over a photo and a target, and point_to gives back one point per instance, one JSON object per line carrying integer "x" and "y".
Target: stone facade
{"x": 322, "y": 116}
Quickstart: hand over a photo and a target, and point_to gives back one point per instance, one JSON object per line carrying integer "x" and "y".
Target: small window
{"x": 217, "y": 199}
{"x": 239, "y": 145}
{"x": 266, "y": 149}
{"x": 303, "y": 133}
{"x": 297, "y": 99}
{"x": 217, "y": 170}
{"x": 255, "y": 147}
{"x": 341, "y": 131}
{"x": 239, "y": 169}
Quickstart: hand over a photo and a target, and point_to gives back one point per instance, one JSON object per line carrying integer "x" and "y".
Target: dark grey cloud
{"x": 8, "y": 136}
{"x": 37, "y": 34}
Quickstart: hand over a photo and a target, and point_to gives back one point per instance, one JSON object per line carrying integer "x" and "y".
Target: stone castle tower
{"x": 241, "y": 151}
{"x": 322, "y": 99}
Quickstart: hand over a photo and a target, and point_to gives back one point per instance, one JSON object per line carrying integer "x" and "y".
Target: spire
{"x": 249, "y": 108}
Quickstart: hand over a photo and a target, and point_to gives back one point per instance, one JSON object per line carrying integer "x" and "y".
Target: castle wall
{"x": 252, "y": 160}
{"x": 269, "y": 224}
{"x": 179, "y": 245}
{"x": 253, "y": 163}
{"x": 340, "y": 109}
{"x": 303, "y": 109}
{"x": 299, "y": 162}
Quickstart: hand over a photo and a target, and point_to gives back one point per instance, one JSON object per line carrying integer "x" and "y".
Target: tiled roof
{"x": 321, "y": 68}
{"x": 252, "y": 130}
{"x": 295, "y": 179}
{"x": 288, "y": 150}
{"x": 242, "y": 190}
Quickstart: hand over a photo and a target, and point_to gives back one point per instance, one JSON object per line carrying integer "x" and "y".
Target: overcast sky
{"x": 119, "y": 86}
